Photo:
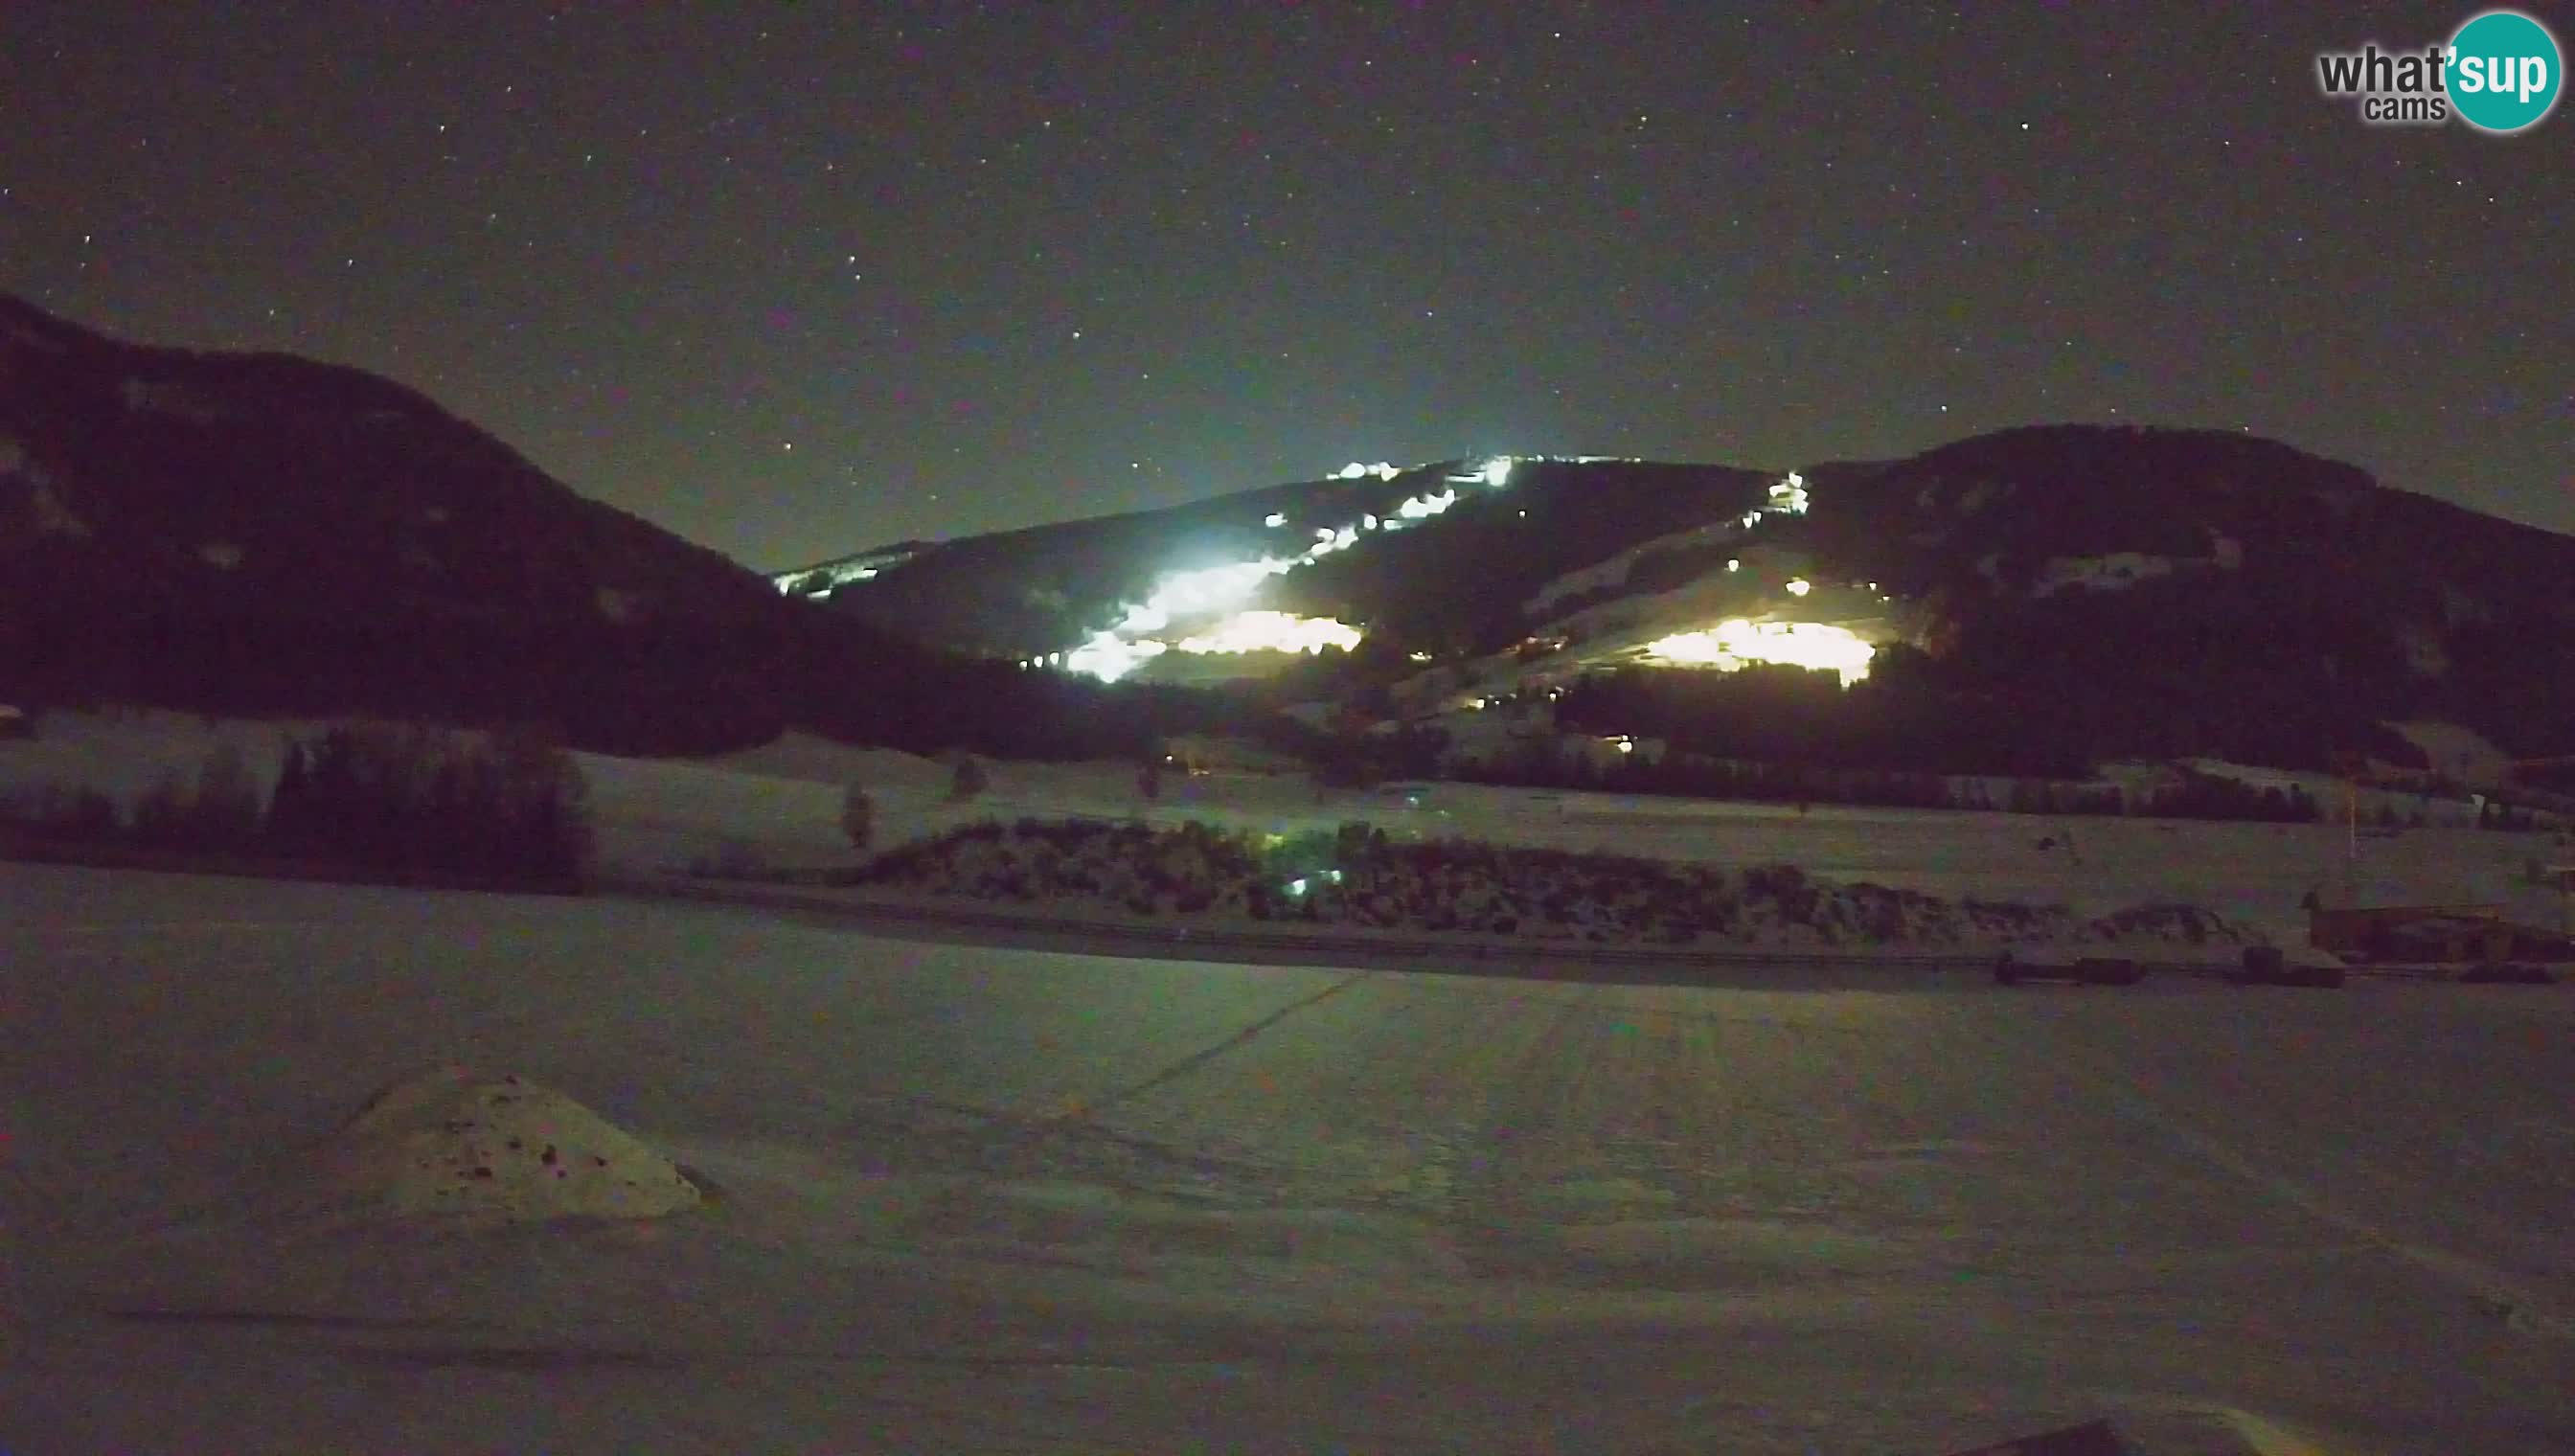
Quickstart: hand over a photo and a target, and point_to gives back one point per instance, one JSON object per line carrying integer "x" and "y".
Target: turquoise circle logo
{"x": 2504, "y": 71}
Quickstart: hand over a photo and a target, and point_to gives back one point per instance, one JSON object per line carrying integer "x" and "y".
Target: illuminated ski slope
{"x": 1218, "y": 601}
{"x": 1735, "y": 644}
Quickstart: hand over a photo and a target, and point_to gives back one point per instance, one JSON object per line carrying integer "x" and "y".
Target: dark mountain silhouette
{"x": 267, "y": 535}
{"x": 2150, "y": 588}
{"x": 2073, "y": 591}
{"x": 261, "y": 534}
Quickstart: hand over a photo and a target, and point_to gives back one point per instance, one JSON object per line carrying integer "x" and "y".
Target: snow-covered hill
{"x": 2232, "y": 567}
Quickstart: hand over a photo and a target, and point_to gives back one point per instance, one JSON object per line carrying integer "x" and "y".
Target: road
{"x": 994, "y": 1199}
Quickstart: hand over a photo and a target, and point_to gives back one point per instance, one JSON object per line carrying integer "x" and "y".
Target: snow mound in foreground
{"x": 451, "y": 1144}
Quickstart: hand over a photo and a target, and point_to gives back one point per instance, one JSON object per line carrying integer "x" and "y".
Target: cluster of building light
{"x": 1733, "y": 645}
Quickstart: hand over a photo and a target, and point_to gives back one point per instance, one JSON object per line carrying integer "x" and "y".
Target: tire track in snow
{"x": 2488, "y": 1289}
{"x": 1196, "y": 1059}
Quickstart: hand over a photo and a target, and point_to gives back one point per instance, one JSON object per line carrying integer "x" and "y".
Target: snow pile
{"x": 450, "y": 1144}
{"x": 1451, "y": 885}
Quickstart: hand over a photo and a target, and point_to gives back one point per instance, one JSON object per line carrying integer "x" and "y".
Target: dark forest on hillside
{"x": 674, "y": 684}
{"x": 1913, "y": 713}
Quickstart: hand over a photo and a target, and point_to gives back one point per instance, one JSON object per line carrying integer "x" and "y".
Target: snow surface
{"x": 969, "y": 1199}
{"x": 2458, "y": 752}
{"x": 782, "y": 801}
{"x": 1613, "y": 570}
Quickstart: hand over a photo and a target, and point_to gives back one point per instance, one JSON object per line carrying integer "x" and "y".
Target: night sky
{"x": 794, "y": 281}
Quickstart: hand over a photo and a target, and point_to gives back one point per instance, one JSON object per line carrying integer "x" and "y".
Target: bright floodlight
{"x": 1497, "y": 470}
{"x": 1273, "y": 632}
{"x": 1194, "y": 594}
{"x": 1108, "y": 658}
{"x": 1330, "y": 542}
{"x": 1733, "y": 644}
{"x": 1275, "y": 517}
{"x": 1789, "y": 494}
{"x": 1421, "y": 506}
{"x": 1797, "y": 586}
{"x": 1214, "y": 587}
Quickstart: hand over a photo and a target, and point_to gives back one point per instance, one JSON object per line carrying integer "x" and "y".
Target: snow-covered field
{"x": 973, "y": 1199}
{"x": 784, "y": 801}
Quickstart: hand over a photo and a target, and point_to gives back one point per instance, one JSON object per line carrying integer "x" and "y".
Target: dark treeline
{"x": 2035, "y": 704}
{"x": 514, "y": 809}
{"x": 507, "y": 809}
{"x": 664, "y": 686}
{"x": 2193, "y": 796}
{"x": 671, "y": 684}
{"x": 859, "y": 684}
{"x": 1912, "y": 715}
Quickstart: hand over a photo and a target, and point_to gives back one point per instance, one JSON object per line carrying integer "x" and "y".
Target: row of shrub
{"x": 508, "y": 809}
{"x": 1359, "y": 875}
{"x": 2194, "y": 796}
